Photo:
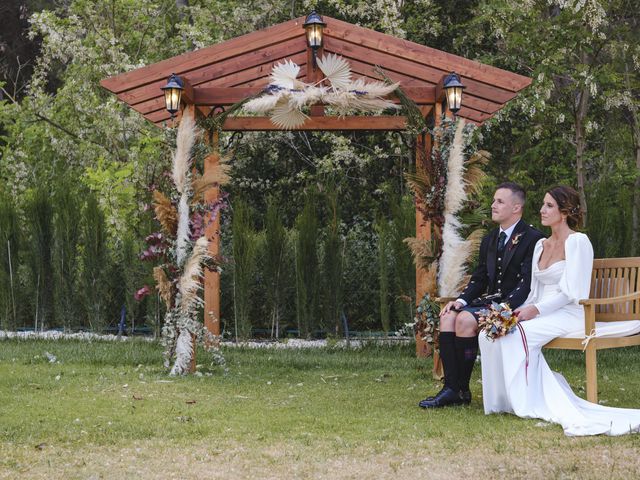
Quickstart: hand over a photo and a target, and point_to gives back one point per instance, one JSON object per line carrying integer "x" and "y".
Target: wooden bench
{"x": 614, "y": 297}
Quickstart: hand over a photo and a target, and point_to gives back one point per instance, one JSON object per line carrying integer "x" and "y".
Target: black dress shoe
{"x": 464, "y": 394}
{"x": 434, "y": 396}
{"x": 444, "y": 398}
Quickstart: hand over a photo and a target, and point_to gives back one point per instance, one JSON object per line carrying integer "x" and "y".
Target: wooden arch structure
{"x": 226, "y": 73}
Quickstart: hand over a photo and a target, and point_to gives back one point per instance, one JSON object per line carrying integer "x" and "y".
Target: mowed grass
{"x": 108, "y": 410}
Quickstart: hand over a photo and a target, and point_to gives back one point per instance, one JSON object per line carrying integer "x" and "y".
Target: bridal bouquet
{"x": 497, "y": 320}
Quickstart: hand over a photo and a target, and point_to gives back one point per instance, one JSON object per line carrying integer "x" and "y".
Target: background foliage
{"x": 76, "y": 165}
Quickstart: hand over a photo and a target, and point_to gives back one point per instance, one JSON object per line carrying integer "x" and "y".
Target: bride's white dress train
{"x": 508, "y": 385}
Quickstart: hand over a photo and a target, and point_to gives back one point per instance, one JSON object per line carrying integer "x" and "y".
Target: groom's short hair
{"x": 515, "y": 189}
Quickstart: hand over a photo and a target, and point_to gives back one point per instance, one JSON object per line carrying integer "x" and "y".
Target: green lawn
{"x": 108, "y": 410}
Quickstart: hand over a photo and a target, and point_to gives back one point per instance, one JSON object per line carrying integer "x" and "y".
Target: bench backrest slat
{"x": 613, "y": 277}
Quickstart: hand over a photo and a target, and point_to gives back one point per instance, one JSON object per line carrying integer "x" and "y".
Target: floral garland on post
{"x": 443, "y": 194}
{"x": 182, "y": 246}
{"x": 286, "y": 97}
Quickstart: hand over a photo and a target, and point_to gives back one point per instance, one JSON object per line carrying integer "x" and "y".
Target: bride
{"x": 561, "y": 276}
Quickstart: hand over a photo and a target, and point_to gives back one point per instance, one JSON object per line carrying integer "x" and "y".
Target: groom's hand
{"x": 454, "y": 306}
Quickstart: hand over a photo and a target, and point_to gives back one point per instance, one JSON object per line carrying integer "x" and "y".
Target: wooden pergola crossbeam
{"x": 325, "y": 123}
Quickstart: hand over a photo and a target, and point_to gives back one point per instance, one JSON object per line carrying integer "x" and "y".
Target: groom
{"x": 503, "y": 274}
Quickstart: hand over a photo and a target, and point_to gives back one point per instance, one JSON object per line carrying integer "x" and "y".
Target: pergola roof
{"x": 245, "y": 63}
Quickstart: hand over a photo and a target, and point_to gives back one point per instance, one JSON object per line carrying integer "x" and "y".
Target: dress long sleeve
{"x": 576, "y": 279}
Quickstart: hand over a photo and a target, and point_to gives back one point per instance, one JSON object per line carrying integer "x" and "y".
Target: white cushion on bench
{"x": 610, "y": 329}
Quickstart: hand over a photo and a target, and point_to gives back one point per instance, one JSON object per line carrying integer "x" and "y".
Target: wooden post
{"x": 212, "y": 232}
{"x": 438, "y": 372}
{"x": 314, "y": 75}
{"x": 423, "y": 232}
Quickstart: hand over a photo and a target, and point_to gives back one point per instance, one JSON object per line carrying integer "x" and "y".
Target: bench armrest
{"x": 611, "y": 300}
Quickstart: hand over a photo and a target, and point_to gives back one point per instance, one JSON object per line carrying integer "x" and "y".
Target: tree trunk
{"x": 581, "y": 145}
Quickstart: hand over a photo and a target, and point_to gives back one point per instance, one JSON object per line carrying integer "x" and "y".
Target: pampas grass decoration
{"x": 263, "y": 104}
{"x": 455, "y": 194}
{"x": 288, "y": 96}
{"x": 166, "y": 213}
{"x": 190, "y": 283}
{"x": 184, "y": 353}
{"x": 373, "y": 89}
{"x": 182, "y": 234}
{"x": 182, "y": 157}
{"x": 455, "y": 252}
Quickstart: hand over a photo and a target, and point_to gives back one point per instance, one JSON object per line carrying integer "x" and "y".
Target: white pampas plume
{"x": 456, "y": 193}
{"x": 182, "y": 234}
{"x": 190, "y": 282}
{"x": 184, "y": 353}
{"x": 182, "y": 157}
{"x": 373, "y": 89}
{"x": 262, "y": 104}
{"x": 455, "y": 253}
{"x": 336, "y": 70}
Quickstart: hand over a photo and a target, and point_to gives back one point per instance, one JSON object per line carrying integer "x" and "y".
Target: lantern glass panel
{"x": 172, "y": 99}
{"x": 314, "y": 35}
{"x": 454, "y": 98}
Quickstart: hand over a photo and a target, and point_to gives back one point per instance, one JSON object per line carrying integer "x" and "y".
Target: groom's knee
{"x": 466, "y": 324}
{"x": 448, "y": 322}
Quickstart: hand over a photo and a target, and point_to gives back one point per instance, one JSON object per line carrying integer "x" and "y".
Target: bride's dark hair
{"x": 568, "y": 202}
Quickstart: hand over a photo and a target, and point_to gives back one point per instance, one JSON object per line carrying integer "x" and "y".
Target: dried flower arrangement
{"x": 286, "y": 97}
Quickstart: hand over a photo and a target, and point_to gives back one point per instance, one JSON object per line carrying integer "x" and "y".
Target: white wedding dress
{"x": 508, "y": 385}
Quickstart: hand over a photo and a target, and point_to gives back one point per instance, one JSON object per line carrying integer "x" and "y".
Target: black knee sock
{"x": 466, "y": 353}
{"x": 449, "y": 361}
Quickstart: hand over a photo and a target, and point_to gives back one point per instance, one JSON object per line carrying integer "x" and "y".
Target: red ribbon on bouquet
{"x": 523, "y": 336}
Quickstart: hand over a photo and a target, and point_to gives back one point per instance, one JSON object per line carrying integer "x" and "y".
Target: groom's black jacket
{"x": 508, "y": 274}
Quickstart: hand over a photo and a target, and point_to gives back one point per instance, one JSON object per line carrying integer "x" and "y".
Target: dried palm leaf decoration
{"x": 286, "y": 96}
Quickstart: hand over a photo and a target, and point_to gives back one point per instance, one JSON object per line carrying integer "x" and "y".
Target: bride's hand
{"x": 527, "y": 312}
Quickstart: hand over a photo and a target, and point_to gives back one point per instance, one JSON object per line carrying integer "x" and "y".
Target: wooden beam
{"x": 263, "y": 60}
{"x": 383, "y": 123}
{"x": 212, "y": 232}
{"x": 418, "y": 70}
{"x": 206, "y": 56}
{"x": 380, "y": 42}
{"x": 187, "y": 93}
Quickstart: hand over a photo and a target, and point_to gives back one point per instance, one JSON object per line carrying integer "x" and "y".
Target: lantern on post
{"x": 314, "y": 26}
{"x": 453, "y": 91}
{"x": 173, "y": 94}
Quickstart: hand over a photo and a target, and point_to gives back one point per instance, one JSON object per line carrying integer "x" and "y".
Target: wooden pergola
{"x": 226, "y": 73}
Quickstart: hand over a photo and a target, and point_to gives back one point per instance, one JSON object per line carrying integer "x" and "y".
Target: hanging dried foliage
{"x": 166, "y": 213}
{"x": 164, "y": 287}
